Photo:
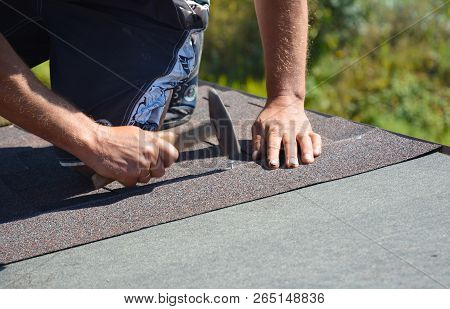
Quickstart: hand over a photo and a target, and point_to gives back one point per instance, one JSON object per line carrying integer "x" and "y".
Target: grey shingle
{"x": 387, "y": 228}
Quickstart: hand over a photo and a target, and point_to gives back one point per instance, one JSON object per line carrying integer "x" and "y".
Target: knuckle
{"x": 143, "y": 163}
{"x": 273, "y": 147}
{"x": 272, "y": 126}
{"x": 272, "y": 133}
{"x": 306, "y": 139}
{"x": 257, "y": 139}
{"x": 150, "y": 150}
{"x": 258, "y": 124}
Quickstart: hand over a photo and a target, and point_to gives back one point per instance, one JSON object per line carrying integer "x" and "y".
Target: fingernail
{"x": 293, "y": 162}
{"x": 317, "y": 151}
{"x": 273, "y": 163}
{"x": 255, "y": 155}
{"x": 309, "y": 157}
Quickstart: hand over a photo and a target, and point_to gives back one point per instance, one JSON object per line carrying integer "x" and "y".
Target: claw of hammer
{"x": 220, "y": 120}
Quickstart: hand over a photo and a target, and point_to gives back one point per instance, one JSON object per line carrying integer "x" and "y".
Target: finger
{"x": 273, "y": 142}
{"x": 168, "y": 153}
{"x": 306, "y": 148}
{"x": 129, "y": 181}
{"x": 316, "y": 143}
{"x": 158, "y": 170}
{"x": 168, "y": 136}
{"x": 145, "y": 176}
{"x": 257, "y": 140}
{"x": 150, "y": 155}
{"x": 290, "y": 150}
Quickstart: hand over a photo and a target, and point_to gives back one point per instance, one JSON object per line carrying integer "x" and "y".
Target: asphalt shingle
{"x": 49, "y": 208}
{"x": 387, "y": 228}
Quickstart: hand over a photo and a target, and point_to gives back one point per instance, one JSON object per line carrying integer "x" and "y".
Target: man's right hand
{"x": 128, "y": 154}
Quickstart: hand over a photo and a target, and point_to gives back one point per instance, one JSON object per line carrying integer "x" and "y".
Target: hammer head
{"x": 221, "y": 122}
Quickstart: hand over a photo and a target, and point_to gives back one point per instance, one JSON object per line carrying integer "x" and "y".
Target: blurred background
{"x": 384, "y": 62}
{"x": 403, "y": 86}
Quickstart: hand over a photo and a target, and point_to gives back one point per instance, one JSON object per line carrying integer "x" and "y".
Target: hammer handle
{"x": 180, "y": 141}
{"x": 100, "y": 181}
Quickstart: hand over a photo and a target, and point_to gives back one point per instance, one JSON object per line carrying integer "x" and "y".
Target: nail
{"x": 293, "y": 162}
{"x": 273, "y": 163}
{"x": 255, "y": 155}
{"x": 317, "y": 151}
{"x": 309, "y": 157}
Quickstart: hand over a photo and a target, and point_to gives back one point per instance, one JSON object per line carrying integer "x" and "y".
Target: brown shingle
{"x": 54, "y": 209}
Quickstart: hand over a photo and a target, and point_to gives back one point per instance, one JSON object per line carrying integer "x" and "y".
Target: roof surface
{"x": 46, "y": 208}
{"x": 387, "y": 228}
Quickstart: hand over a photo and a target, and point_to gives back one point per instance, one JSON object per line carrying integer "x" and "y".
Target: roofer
{"x": 116, "y": 63}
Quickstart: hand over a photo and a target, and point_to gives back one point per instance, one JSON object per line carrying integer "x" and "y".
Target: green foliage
{"x": 233, "y": 29}
{"x": 3, "y": 122}
{"x": 42, "y": 72}
{"x": 403, "y": 86}
{"x": 333, "y": 24}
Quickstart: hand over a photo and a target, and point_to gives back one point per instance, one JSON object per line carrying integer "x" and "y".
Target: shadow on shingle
{"x": 32, "y": 183}
{"x": 35, "y": 183}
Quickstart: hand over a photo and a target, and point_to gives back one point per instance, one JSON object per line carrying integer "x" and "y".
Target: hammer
{"x": 220, "y": 124}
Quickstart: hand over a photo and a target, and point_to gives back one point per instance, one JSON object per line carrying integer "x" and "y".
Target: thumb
{"x": 167, "y": 149}
{"x": 167, "y": 136}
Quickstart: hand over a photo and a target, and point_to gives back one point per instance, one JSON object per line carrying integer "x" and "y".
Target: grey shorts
{"x": 118, "y": 61}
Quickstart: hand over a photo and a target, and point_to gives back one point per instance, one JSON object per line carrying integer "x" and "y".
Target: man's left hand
{"x": 284, "y": 124}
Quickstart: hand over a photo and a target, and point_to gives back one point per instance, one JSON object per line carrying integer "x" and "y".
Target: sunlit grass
{"x": 42, "y": 72}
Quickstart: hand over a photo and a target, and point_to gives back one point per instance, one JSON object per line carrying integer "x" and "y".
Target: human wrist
{"x": 86, "y": 139}
{"x": 299, "y": 95}
{"x": 285, "y": 87}
{"x": 286, "y": 98}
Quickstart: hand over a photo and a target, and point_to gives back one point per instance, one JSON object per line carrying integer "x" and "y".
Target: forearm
{"x": 284, "y": 33}
{"x": 27, "y": 103}
{"x": 127, "y": 154}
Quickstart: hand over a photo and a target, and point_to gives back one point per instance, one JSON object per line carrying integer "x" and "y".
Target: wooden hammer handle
{"x": 100, "y": 181}
{"x": 180, "y": 141}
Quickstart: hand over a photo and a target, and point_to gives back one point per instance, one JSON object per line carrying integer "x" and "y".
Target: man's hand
{"x": 284, "y": 33}
{"x": 126, "y": 154}
{"x": 129, "y": 154}
{"x": 283, "y": 123}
